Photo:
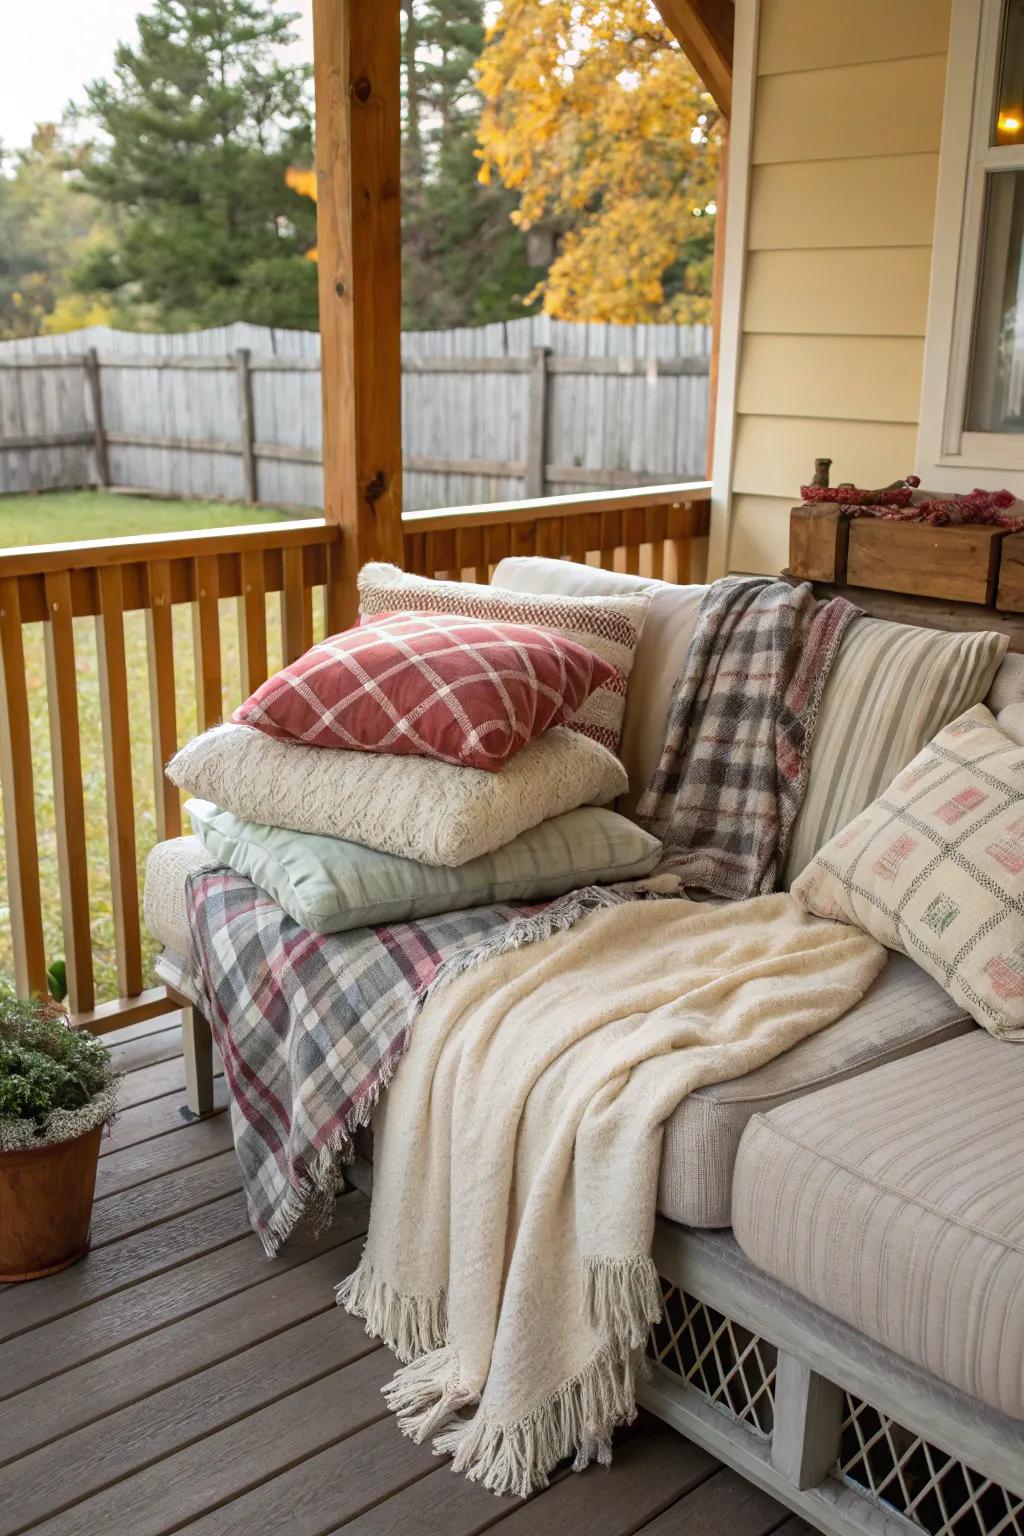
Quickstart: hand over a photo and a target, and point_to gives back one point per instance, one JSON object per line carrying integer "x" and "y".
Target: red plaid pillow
{"x": 466, "y": 691}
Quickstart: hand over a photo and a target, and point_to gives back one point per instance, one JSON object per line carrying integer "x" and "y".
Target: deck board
{"x": 125, "y": 1375}
{"x": 171, "y": 1194}
{"x": 176, "y": 1380}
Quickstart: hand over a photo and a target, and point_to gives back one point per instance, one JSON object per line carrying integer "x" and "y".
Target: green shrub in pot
{"x": 58, "y": 1089}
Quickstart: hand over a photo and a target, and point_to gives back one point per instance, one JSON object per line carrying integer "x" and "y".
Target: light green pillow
{"x": 330, "y": 885}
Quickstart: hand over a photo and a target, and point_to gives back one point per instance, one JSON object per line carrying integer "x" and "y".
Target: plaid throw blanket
{"x": 312, "y": 1026}
{"x": 738, "y": 738}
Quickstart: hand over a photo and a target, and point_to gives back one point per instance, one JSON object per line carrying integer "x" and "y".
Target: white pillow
{"x": 437, "y": 813}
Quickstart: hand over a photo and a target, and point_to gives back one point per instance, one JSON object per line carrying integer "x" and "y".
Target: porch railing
{"x": 117, "y": 650}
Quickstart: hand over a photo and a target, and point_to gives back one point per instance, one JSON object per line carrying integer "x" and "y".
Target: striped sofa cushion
{"x": 896, "y": 1202}
{"x": 892, "y": 688}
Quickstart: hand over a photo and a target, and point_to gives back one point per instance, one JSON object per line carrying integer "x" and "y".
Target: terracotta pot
{"x": 46, "y": 1206}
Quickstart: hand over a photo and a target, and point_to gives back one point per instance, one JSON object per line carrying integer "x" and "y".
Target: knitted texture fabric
{"x": 508, "y": 1261}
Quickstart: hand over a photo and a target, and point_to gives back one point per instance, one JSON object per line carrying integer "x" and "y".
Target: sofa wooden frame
{"x": 822, "y": 1367}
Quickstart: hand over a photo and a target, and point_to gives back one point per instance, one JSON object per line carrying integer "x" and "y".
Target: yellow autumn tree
{"x": 595, "y": 117}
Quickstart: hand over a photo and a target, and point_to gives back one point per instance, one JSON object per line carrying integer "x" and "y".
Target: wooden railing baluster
{"x": 252, "y": 621}
{"x": 68, "y": 800}
{"x": 296, "y": 607}
{"x": 206, "y": 641}
{"x": 162, "y": 700}
{"x": 18, "y": 784}
{"x": 117, "y": 752}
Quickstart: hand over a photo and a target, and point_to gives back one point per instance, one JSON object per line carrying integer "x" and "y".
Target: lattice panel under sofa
{"x": 901, "y": 1471}
{"x": 730, "y": 1366}
{"x": 886, "y": 1478}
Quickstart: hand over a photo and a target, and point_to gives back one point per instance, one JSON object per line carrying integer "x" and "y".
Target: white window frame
{"x": 950, "y": 457}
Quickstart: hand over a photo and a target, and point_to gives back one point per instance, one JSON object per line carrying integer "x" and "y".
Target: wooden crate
{"x": 961, "y": 564}
{"x": 957, "y": 564}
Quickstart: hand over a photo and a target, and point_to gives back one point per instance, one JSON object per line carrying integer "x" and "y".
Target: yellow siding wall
{"x": 847, "y": 118}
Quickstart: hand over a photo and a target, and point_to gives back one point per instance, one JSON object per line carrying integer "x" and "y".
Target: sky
{"x": 48, "y": 52}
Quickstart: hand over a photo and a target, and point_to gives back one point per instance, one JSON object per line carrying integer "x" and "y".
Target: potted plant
{"x": 58, "y": 1090}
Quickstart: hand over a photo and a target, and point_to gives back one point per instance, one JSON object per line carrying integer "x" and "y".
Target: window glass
{"x": 995, "y": 397}
{"x": 1008, "y": 127}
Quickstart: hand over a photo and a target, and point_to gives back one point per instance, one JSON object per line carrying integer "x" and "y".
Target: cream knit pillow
{"x": 935, "y": 868}
{"x": 437, "y": 813}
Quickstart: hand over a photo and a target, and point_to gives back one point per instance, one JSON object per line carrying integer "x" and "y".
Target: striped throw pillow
{"x": 892, "y": 688}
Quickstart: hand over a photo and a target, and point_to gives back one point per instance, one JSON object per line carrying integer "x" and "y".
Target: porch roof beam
{"x": 705, "y": 30}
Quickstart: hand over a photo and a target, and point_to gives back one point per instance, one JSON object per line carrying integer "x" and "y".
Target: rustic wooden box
{"x": 957, "y": 564}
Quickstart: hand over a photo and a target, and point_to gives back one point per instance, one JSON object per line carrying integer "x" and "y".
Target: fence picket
{"x": 488, "y": 414}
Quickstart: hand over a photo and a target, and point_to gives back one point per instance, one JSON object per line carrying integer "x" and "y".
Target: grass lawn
{"x": 55, "y": 517}
{"x": 69, "y": 516}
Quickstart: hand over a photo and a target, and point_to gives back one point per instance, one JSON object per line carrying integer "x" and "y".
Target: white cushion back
{"x": 659, "y": 657}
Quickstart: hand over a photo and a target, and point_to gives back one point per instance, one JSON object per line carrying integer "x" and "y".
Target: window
{"x": 972, "y": 412}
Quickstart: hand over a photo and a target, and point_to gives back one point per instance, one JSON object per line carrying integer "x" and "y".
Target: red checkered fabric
{"x": 465, "y": 691}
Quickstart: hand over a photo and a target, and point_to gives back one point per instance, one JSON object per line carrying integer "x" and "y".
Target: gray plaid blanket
{"x": 738, "y": 738}
{"x": 311, "y": 1026}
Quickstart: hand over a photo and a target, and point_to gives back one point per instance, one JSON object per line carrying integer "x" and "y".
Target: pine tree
{"x": 199, "y": 124}
{"x": 464, "y": 261}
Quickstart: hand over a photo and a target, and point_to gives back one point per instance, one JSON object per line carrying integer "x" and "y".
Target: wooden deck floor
{"x": 177, "y": 1381}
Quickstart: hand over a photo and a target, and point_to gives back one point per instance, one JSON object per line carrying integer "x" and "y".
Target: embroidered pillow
{"x": 416, "y": 807}
{"x": 608, "y": 626}
{"x": 431, "y": 685}
{"x": 935, "y": 868}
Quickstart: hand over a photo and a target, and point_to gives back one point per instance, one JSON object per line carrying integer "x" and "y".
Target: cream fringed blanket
{"x": 517, "y": 1159}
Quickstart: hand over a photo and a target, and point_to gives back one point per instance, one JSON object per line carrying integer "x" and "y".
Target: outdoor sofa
{"x": 841, "y": 1232}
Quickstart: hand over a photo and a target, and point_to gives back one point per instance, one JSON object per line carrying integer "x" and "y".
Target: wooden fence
{"x": 114, "y": 651}
{"x": 493, "y": 413}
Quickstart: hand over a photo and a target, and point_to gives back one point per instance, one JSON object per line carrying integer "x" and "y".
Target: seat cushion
{"x": 903, "y": 1011}
{"x": 163, "y": 897}
{"x": 896, "y": 1202}
{"x": 660, "y": 653}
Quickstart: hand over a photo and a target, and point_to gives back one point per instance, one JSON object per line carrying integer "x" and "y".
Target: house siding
{"x": 844, "y": 164}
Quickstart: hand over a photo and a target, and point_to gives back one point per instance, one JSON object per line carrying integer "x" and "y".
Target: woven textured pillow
{"x": 331, "y": 886}
{"x": 413, "y": 806}
{"x": 608, "y": 626}
{"x": 891, "y": 688}
{"x": 432, "y": 685}
{"x": 935, "y": 868}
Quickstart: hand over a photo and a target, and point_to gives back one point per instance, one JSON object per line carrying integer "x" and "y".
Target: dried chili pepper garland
{"x": 895, "y": 503}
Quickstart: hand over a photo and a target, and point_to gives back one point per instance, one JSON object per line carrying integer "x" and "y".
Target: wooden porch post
{"x": 357, "y": 75}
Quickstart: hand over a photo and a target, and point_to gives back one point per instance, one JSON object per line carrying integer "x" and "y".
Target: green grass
{"x": 56, "y": 517}
{"x": 63, "y": 516}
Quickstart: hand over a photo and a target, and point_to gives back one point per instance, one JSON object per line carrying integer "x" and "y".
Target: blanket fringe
{"x": 578, "y": 1420}
{"x": 312, "y": 1198}
{"x": 623, "y": 1298}
{"x": 531, "y": 928}
{"x": 410, "y": 1326}
{"x": 426, "y": 1395}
